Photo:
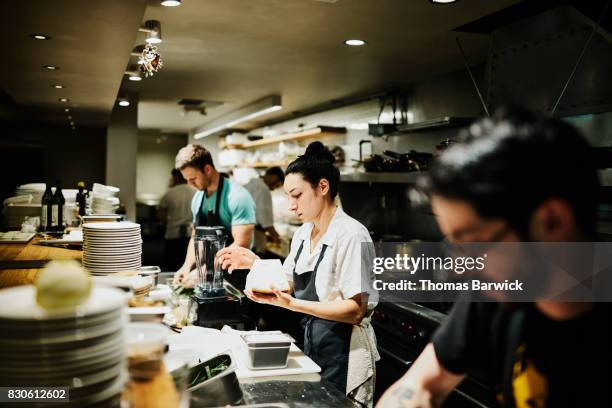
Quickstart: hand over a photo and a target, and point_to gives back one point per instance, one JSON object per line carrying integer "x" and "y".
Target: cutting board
{"x": 196, "y": 344}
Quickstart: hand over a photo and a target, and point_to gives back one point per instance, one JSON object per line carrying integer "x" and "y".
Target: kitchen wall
{"x": 156, "y": 153}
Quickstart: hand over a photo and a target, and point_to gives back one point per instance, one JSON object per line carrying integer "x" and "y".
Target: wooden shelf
{"x": 320, "y": 131}
{"x": 282, "y": 163}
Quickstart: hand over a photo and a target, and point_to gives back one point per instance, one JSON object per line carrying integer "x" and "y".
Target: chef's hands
{"x": 180, "y": 275}
{"x": 277, "y": 298}
{"x": 236, "y": 257}
{"x": 186, "y": 277}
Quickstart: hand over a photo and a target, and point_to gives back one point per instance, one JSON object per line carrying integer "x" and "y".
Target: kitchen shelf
{"x": 442, "y": 122}
{"x": 281, "y": 163}
{"x": 319, "y": 131}
{"x": 398, "y": 178}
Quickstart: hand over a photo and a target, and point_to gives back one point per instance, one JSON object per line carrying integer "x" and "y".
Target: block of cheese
{"x": 265, "y": 275}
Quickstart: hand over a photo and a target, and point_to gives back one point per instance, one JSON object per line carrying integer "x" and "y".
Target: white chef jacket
{"x": 339, "y": 275}
{"x": 263, "y": 201}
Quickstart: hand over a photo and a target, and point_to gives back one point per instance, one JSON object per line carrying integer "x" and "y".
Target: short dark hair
{"x": 317, "y": 164}
{"x": 512, "y": 162}
{"x": 276, "y": 172}
{"x": 177, "y": 177}
{"x": 193, "y": 156}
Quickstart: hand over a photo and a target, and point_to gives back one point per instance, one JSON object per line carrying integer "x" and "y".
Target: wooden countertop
{"x": 29, "y": 252}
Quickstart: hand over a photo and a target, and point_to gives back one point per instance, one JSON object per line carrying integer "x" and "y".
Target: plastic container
{"x": 146, "y": 343}
{"x": 267, "y": 350}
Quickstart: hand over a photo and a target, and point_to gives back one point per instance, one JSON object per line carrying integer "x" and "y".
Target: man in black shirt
{"x": 517, "y": 177}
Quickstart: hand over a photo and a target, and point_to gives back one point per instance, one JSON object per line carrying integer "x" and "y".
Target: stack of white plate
{"x": 110, "y": 247}
{"x": 104, "y": 199}
{"x": 104, "y": 205}
{"x": 35, "y": 189}
{"x": 81, "y": 348}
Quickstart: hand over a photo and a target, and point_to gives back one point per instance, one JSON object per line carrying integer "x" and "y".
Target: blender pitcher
{"x": 208, "y": 241}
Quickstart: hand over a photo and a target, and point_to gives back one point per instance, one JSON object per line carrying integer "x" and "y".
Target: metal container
{"x": 268, "y": 350}
{"x": 221, "y": 390}
{"x": 152, "y": 272}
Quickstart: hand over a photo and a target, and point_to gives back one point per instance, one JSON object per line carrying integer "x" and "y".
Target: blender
{"x": 216, "y": 306}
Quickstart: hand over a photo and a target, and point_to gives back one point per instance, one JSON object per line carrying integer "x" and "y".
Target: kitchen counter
{"x": 21, "y": 263}
{"x": 294, "y": 393}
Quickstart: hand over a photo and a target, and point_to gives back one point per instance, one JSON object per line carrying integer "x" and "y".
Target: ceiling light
{"x": 71, "y": 123}
{"x": 66, "y": 110}
{"x": 69, "y": 117}
{"x": 355, "y": 43}
{"x": 133, "y": 73}
{"x": 443, "y": 1}
{"x": 58, "y": 86}
{"x": 123, "y": 102}
{"x": 40, "y": 36}
{"x": 260, "y": 107}
{"x": 64, "y": 100}
{"x": 171, "y": 3}
{"x": 153, "y": 30}
{"x": 51, "y": 67}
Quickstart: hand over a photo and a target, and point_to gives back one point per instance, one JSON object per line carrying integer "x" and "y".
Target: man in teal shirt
{"x": 234, "y": 208}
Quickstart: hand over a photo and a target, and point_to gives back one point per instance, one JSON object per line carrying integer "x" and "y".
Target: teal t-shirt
{"x": 236, "y": 207}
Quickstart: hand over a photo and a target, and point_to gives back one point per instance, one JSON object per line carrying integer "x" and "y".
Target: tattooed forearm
{"x": 404, "y": 393}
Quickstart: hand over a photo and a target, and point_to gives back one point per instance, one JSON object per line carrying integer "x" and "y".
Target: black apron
{"x": 326, "y": 342}
{"x": 213, "y": 219}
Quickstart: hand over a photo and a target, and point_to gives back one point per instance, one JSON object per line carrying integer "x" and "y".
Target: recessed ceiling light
{"x": 171, "y": 3}
{"x": 51, "y": 67}
{"x": 443, "y": 1}
{"x": 40, "y": 36}
{"x": 58, "y": 86}
{"x": 66, "y": 110}
{"x": 124, "y": 102}
{"x": 355, "y": 43}
{"x": 69, "y": 117}
{"x": 64, "y": 100}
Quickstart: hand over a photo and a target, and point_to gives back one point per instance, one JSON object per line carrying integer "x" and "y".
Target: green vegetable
{"x": 207, "y": 371}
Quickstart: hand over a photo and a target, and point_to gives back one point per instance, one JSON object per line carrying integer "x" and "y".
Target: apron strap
{"x": 217, "y": 203}
{"x": 297, "y": 256}
{"x": 323, "y": 249}
{"x": 515, "y": 329}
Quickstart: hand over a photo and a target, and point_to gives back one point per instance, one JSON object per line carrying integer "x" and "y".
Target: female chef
{"x": 324, "y": 267}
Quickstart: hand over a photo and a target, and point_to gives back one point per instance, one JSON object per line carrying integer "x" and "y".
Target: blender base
{"x": 216, "y": 312}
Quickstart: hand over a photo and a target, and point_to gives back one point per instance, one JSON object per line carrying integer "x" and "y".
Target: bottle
{"x": 57, "y": 209}
{"x": 45, "y": 215}
{"x": 80, "y": 198}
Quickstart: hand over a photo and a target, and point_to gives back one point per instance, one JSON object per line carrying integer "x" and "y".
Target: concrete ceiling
{"x": 90, "y": 42}
{"x": 232, "y": 51}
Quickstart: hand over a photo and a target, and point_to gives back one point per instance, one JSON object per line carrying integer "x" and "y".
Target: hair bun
{"x": 318, "y": 151}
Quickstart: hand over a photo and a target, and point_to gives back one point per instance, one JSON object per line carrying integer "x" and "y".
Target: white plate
{"x": 19, "y": 303}
{"x": 111, "y": 226}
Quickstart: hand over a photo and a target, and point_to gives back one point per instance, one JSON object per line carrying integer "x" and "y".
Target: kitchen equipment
{"x": 207, "y": 242}
{"x": 402, "y": 332}
{"x": 146, "y": 343}
{"x": 220, "y": 387}
{"x": 267, "y": 349}
{"x": 411, "y": 161}
{"x": 215, "y": 307}
{"x": 151, "y": 272}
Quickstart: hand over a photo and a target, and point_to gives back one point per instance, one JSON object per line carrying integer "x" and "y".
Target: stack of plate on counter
{"x": 104, "y": 199}
{"x": 81, "y": 348}
{"x": 110, "y": 247}
{"x": 36, "y": 190}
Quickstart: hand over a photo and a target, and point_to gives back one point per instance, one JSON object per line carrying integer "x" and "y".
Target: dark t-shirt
{"x": 543, "y": 363}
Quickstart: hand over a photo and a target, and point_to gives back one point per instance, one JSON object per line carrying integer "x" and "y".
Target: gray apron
{"x": 326, "y": 342}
